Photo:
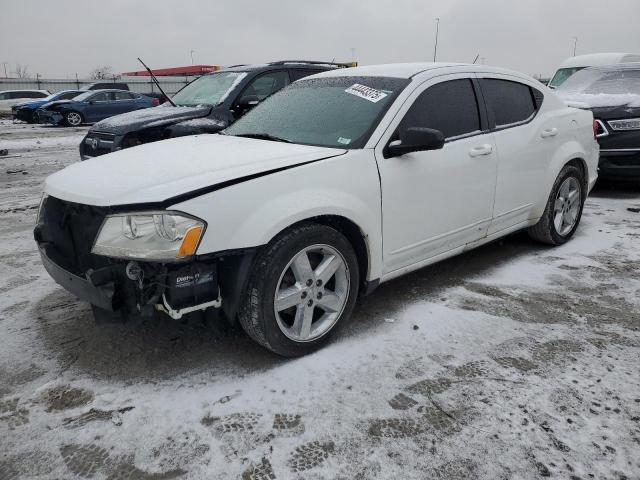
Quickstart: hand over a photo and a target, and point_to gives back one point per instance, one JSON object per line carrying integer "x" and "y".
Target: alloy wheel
{"x": 311, "y": 293}
{"x": 567, "y": 206}
{"x": 74, "y": 119}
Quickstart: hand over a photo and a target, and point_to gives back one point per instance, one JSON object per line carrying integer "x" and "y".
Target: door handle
{"x": 549, "y": 132}
{"x": 481, "y": 150}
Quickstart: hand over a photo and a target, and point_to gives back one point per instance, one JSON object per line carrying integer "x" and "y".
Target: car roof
{"x": 293, "y": 64}
{"x": 595, "y": 59}
{"x": 617, "y": 67}
{"x": 410, "y": 70}
{"x": 25, "y": 90}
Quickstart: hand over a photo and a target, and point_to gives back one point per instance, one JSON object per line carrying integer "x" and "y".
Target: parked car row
{"x": 311, "y": 194}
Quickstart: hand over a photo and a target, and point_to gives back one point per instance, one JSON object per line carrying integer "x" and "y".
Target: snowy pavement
{"x": 513, "y": 361}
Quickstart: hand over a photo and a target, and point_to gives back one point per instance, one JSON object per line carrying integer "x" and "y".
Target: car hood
{"x": 32, "y": 104}
{"x": 148, "y": 118}
{"x": 156, "y": 172}
{"x": 55, "y": 103}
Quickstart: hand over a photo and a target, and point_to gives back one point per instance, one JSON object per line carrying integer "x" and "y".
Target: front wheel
{"x": 563, "y": 212}
{"x": 303, "y": 285}
{"x": 73, "y": 119}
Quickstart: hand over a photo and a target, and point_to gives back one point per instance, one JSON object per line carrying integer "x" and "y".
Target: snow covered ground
{"x": 513, "y": 361}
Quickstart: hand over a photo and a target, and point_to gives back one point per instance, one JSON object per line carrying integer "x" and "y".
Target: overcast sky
{"x": 62, "y": 37}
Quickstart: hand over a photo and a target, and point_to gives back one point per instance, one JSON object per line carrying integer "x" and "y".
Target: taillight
{"x": 155, "y": 102}
{"x": 596, "y": 127}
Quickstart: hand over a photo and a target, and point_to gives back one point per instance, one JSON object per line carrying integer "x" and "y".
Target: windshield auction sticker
{"x": 365, "y": 92}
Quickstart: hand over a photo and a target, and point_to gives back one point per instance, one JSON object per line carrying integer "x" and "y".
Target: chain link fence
{"x": 136, "y": 84}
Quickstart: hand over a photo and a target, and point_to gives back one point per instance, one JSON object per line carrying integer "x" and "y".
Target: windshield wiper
{"x": 263, "y": 136}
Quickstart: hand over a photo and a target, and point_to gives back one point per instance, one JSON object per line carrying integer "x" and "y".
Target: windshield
{"x": 209, "y": 89}
{"x": 330, "y": 112}
{"x": 562, "y": 75}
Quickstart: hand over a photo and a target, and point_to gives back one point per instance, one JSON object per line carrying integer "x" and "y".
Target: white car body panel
{"x": 451, "y": 189}
{"x": 5, "y": 105}
{"x": 155, "y": 172}
{"x": 411, "y": 210}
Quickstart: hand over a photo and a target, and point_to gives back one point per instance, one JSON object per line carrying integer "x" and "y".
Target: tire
{"x": 279, "y": 268}
{"x": 33, "y": 118}
{"x": 547, "y": 230}
{"x": 73, "y": 119}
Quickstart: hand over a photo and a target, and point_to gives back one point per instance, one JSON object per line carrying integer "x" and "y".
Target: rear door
{"x": 124, "y": 102}
{"x": 525, "y": 142}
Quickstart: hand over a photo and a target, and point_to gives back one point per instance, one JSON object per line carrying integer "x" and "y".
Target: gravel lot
{"x": 511, "y": 361}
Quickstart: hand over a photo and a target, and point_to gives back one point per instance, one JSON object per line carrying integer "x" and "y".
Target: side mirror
{"x": 249, "y": 101}
{"x": 416, "y": 139}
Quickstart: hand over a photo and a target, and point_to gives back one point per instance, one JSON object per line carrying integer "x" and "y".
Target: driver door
{"x": 436, "y": 201}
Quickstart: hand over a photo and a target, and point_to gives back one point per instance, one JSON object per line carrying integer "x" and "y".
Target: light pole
{"x": 4, "y": 64}
{"x": 435, "y": 47}
{"x": 575, "y": 45}
{"x": 191, "y": 56}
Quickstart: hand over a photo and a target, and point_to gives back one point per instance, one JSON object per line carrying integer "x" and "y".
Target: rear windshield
{"x": 337, "y": 112}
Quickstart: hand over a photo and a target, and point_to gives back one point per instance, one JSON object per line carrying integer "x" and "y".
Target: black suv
{"x": 612, "y": 93}
{"x": 207, "y": 105}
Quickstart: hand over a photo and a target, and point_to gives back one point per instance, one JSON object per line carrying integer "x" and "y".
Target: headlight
{"x": 166, "y": 236}
{"x": 627, "y": 124}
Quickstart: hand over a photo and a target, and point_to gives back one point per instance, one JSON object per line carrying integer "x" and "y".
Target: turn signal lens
{"x": 190, "y": 242}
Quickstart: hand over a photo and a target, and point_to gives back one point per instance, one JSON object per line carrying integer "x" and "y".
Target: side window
{"x": 122, "y": 95}
{"x": 68, "y": 95}
{"x": 299, "y": 73}
{"x": 450, "y": 107}
{"x": 265, "y": 85}
{"x": 32, "y": 95}
{"x": 4, "y": 96}
{"x": 100, "y": 97}
{"x": 511, "y": 102}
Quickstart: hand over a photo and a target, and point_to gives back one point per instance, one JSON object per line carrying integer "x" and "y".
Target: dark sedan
{"x": 93, "y": 106}
{"x": 612, "y": 93}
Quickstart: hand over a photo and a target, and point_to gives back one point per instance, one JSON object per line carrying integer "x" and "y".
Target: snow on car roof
{"x": 408, "y": 70}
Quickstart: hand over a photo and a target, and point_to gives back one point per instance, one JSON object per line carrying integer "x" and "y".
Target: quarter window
{"x": 512, "y": 103}
{"x": 450, "y": 107}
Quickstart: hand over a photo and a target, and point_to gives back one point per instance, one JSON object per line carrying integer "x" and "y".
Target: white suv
{"x": 339, "y": 182}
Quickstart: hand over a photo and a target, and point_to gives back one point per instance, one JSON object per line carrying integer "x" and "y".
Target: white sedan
{"x": 9, "y": 98}
{"x": 339, "y": 182}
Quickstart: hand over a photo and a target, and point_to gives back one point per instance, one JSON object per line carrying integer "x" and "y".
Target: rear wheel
{"x": 304, "y": 284}
{"x": 563, "y": 212}
{"x": 73, "y": 119}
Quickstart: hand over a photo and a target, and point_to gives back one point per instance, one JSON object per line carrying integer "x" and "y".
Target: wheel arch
{"x": 353, "y": 233}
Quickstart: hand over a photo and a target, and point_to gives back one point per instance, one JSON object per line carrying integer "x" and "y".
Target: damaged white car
{"x": 338, "y": 182}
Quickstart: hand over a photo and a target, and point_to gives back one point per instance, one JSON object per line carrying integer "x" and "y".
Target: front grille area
{"x": 67, "y": 231}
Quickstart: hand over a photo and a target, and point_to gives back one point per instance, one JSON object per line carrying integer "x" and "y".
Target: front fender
{"x": 251, "y": 213}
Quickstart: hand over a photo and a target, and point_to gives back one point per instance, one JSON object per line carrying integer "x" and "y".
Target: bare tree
{"x": 101, "y": 73}
{"x": 21, "y": 71}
